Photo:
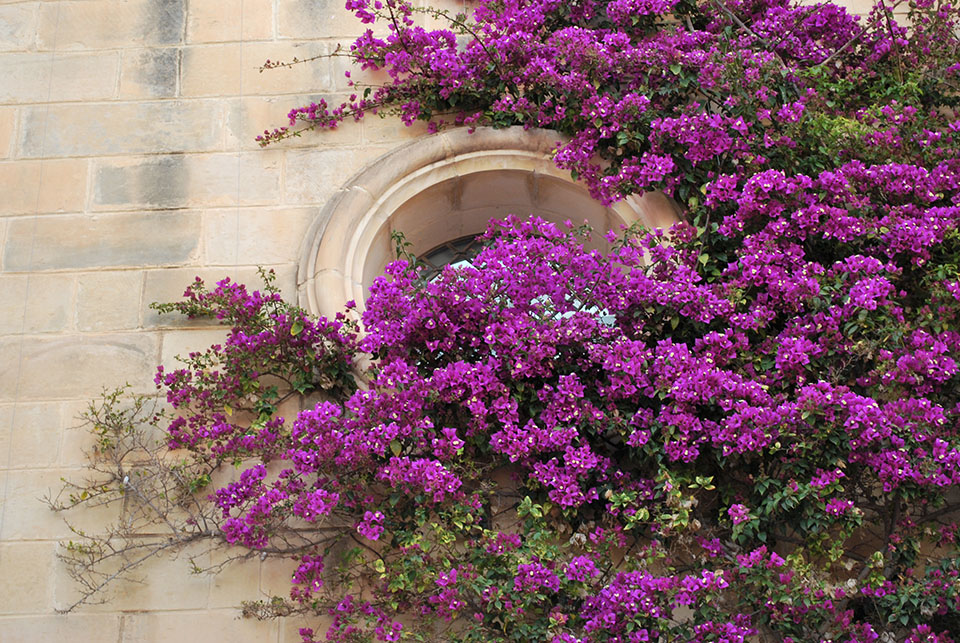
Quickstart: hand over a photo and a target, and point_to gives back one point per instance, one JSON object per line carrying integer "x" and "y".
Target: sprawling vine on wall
{"x": 745, "y": 426}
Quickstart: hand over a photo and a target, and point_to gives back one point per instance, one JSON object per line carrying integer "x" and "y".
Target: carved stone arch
{"x": 442, "y": 187}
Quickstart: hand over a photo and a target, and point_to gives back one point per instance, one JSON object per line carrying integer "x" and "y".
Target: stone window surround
{"x": 442, "y": 187}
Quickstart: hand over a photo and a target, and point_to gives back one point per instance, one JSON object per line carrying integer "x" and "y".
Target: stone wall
{"x": 128, "y": 166}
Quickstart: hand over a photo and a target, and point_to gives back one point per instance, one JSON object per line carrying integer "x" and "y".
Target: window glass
{"x": 456, "y": 253}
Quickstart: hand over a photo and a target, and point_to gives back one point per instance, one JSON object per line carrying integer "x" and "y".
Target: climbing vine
{"x": 746, "y": 427}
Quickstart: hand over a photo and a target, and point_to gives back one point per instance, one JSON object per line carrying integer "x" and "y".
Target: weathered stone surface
{"x": 27, "y": 517}
{"x": 392, "y": 130}
{"x": 152, "y": 182}
{"x": 109, "y": 300}
{"x": 74, "y": 242}
{"x": 8, "y": 117}
{"x": 275, "y": 576}
{"x": 168, "y": 285}
{"x": 313, "y": 176}
{"x": 182, "y": 342}
{"x": 18, "y": 26}
{"x": 217, "y": 20}
{"x": 213, "y": 625}
{"x": 308, "y": 18}
{"x": 76, "y": 439}
{"x": 36, "y": 303}
{"x": 248, "y": 117}
{"x": 149, "y": 73}
{"x": 188, "y": 181}
{"x": 167, "y": 585}
{"x": 306, "y": 78}
{"x": 290, "y": 627}
{"x": 120, "y": 128}
{"x": 25, "y": 578}
{"x": 237, "y": 582}
{"x": 76, "y": 628}
{"x": 254, "y": 236}
{"x": 102, "y": 24}
{"x": 76, "y": 367}
{"x": 31, "y": 187}
{"x": 43, "y": 77}
{"x": 30, "y": 434}
{"x": 211, "y": 70}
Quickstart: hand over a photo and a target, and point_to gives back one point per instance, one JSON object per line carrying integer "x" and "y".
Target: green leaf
{"x": 675, "y": 68}
{"x": 297, "y": 327}
{"x": 395, "y": 447}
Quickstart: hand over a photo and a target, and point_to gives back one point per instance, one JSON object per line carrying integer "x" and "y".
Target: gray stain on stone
{"x": 80, "y": 242}
{"x": 159, "y": 182}
{"x": 163, "y": 21}
{"x": 157, "y": 71}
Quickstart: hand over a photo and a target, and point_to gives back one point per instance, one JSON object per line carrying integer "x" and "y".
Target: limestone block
{"x": 36, "y": 303}
{"x": 27, "y": 517}
{"x": 254, "y": 236}
{"x": 569, "y": 199}
{"x": 103, "y": 24}
{"x": 43, "y": 186}
{"x": 120, "y": 128}
{"x": 25, "y": 578}
{"x": 213, "y": 625}
{"x": 236, "y": 582}
{"x": 33, "y": 437}
{"x": 230, "y": 69}
{"x": 187, "y": 181}
{"x": 164, "y": 582}
{"x": 275, "y": 575}
{"x": 149, "y": 73}
{"x": 76, "y": 628}
{"x": 248, "y": 117}
{"x": 343, "y": 64}
{"x": 76, "y": 439}
{"x": 391, "y": 130}
{"x": 44, "y": 77}
{"x": 313, "y": 176}
{"x": 8, "y": 117}
{"x": 211, "y": 70}
{"x": 303, "y": 78}
{"x": 180, "y": 343}
{"x": 312, "y": 18}
{"x": 18, "y": 26}
{"x": 14, "y": 289}
{"x": 290, "y": 627}
{"x": 6, "y": 422}
{"x": 75, "y": 242}
{"x": 109, "y": 300}
{"x": 229, "y": 20}
{"x": 168, "y": 285}
{"x": 76, "y": 367}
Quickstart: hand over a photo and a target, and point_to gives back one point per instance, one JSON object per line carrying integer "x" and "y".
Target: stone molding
{"x": 442, "y": 187}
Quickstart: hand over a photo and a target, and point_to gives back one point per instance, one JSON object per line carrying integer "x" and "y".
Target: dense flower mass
{"x": 743, "y": 428}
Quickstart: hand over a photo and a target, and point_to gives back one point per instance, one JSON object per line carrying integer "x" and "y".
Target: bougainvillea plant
{"x": 743, "y": 428}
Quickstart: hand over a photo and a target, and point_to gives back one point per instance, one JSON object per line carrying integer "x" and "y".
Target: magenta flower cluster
{"x": 746, "y": 427}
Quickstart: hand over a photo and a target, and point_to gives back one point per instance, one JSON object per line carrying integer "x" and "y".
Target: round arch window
{"x": 439, "y": 192}
{"x": 456, "y": 253}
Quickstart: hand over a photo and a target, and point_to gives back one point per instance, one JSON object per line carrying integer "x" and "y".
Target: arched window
{"x": 441, "y": 191}
{"x": 455, "y": 252}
